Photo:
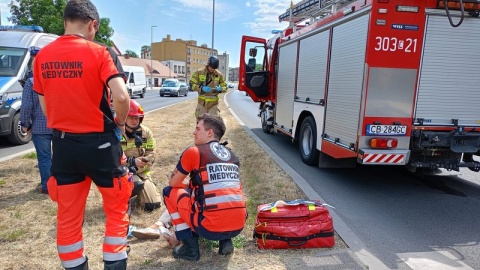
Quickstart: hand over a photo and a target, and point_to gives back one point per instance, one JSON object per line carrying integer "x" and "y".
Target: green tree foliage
{"x": 131, "y": 53}
{"x": 49, "y": 15}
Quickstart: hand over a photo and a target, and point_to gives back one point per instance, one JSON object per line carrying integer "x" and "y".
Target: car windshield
{"x": 11, "y": 60}
{"x": 170, "y": 84}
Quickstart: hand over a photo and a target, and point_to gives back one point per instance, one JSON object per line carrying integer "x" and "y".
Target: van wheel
{"x": 17, "y": 136}
{"x": 130, "y": 93}
{"x": 142, "y": 95}
{"x": 307, "y": 142}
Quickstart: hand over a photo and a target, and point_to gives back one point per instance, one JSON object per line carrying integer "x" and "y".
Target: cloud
{"x": 267, "y": 12}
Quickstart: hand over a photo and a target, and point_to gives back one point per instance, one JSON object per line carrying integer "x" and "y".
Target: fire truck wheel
{"x": 263, "y": 119}
{"x": 307, "y": 142}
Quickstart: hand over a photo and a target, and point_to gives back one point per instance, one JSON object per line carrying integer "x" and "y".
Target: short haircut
{"x": 80, "y": 10}
{"x": 213, "y": 122}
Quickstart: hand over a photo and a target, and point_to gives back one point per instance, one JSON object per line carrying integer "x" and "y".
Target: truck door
{"x": 253, "y": 71}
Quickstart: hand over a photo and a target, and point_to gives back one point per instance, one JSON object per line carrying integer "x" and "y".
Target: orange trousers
{"x": 71, "y": 200}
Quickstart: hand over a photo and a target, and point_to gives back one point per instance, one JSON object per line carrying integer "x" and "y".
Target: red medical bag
{"x": 294, "y": 224}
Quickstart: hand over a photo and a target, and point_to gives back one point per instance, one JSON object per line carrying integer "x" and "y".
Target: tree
{"x": 131, "y": 53}
{"x": 49, "y": 15}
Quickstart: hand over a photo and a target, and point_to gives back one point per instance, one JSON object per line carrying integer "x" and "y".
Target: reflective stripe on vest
{"x": 220, "y": 187}
{"x": 208, "y": 99}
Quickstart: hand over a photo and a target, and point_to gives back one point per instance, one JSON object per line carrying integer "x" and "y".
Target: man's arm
{"x": 121, "y": 100}
{"x": 41, "y": 100}
{"x": 194, "y": 81}
{"x": 176, "y": 179}
{"x": 27, "y": 105}
{"x": 222, "y": 83}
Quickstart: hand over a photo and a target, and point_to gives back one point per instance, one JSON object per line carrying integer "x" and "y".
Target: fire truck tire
{"x": 263, "y": 118}
{"x": 307, "y": 142}
{"x": 17, "y": 136}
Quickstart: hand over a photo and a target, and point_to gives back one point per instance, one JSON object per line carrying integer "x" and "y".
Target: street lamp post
{"x": 151, "y": 55}
{"x": 213, "y": 24}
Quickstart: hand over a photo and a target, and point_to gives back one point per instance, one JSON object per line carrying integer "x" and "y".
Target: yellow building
{"x": 182, "y": 52}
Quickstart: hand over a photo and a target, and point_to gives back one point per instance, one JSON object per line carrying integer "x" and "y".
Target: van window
{"x": 132, "y": 78}
{"x": 11, "y": 60}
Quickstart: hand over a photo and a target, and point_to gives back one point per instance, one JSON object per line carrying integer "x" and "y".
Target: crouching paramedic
{"x": 71, "y": 76}
{"x": 139, "y": 147}
{"x": 213, "y": 205}
{"x": 208, "y": 82}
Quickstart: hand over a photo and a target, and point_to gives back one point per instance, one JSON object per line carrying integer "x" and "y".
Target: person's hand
{"x": 206, "y": 89}
{"x": 140, "y": 162}
{"x": 172, "y": 240}
{"x": 218, "y": 88}
{"x": 25, "y": 129}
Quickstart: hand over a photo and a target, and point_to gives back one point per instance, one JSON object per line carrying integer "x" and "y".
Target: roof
{"x": 159, "y": 70}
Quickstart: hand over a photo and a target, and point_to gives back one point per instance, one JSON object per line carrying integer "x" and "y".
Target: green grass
{"x": 13, "y": 235}
{"x": 2, "y": 182}
{"x": 32, "y": 155}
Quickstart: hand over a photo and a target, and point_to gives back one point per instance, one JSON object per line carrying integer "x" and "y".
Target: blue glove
{"x": 206, "y": 89}
{"x": 218, "y": 88}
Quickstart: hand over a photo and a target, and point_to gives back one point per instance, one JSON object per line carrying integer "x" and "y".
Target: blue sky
{"x": 187, "y": 19}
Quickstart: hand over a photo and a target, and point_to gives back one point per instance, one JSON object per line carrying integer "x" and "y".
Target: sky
{"x": 186, "y": 19}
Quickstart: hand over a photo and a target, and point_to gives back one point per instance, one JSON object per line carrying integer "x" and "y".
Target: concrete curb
{"x": 350, "y": 238}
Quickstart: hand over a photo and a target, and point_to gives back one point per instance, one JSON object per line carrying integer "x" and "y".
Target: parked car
{"x": 230, "y": 85}
{"x": 173, "y": 87}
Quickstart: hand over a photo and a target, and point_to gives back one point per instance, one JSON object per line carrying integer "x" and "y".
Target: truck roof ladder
{"x": 311, "y": 9}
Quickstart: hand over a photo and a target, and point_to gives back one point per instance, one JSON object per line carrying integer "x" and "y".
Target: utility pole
{"x": 213, "y": 25}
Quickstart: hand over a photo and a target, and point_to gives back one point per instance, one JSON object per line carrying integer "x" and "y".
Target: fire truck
{"x": 374, "y": 82}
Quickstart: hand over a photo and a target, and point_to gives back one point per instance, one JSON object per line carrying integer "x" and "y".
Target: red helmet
{"x": 136, "y": 110}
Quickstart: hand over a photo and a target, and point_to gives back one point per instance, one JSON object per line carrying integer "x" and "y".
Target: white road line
{"x": 438, "y": 260}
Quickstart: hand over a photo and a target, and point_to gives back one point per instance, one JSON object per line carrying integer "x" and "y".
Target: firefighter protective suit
{"x": 207, "y": 102}
{"x": 213, "y": 205}
{"x": 141, "y": 144}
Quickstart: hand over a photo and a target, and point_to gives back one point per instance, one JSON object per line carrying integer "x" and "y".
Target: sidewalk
{"x": 355, "y": 256}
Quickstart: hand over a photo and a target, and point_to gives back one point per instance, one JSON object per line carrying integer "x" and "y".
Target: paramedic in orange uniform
{"x": 213, "y": 205}
{"x": 71, "y": 77}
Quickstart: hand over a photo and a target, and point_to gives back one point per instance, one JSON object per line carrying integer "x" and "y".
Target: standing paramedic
{"x": 211, "y": 204}
{"x": 71, "y": 76}
{"x": 208, "y": 82}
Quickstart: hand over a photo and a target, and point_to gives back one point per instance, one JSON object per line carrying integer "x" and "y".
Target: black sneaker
{"x": 225, "y": 247}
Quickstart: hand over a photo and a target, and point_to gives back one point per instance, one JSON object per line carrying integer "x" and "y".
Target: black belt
{"x": 62, "y": 134}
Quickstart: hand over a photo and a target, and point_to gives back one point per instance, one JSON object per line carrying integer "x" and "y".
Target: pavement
{"x": 356, "y": 256}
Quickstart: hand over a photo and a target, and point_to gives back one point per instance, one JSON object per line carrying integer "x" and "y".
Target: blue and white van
{"x": 15, "y": 63}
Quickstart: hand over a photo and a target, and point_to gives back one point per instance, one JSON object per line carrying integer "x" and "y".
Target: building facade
{"x": 223, "y": 60}
{"x": 183, "y": 55}
{"x": 233, "y": 74}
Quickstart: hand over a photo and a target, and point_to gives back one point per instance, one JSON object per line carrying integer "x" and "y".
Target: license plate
{"x": 387, "y": 130}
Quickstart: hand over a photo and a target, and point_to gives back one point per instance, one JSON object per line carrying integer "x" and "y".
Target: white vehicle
{"x": 15, "y": 63}
{"x": 136, "y": 80}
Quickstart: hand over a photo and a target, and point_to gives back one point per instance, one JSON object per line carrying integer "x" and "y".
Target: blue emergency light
{"x": 22, "y": 28}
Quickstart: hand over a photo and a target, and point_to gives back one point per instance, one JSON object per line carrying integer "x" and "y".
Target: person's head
{"x": 209, "y": 128}
{"x": 212, "y": 63}
{"x": 135, "y": 116}
{"x": 81, "y": 17}
{"x": 34, "y": 51}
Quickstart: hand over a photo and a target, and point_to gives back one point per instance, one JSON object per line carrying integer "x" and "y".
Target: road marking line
{"x": 438, "y": 260}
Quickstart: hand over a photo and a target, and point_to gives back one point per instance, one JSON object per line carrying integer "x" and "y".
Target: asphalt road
{"x": 152, "y": 101}
{"x": 407, "y": 221}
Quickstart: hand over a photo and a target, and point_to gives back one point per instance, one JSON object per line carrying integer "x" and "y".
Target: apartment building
{"x": 183, "y": 56}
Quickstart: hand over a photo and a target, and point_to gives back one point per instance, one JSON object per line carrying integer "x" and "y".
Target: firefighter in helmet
{"x": 138, "y": 145}
{"x": 208, "y": 82}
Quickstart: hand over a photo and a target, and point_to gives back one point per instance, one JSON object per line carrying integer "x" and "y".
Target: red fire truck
{"x": 375, "y": 82}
